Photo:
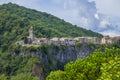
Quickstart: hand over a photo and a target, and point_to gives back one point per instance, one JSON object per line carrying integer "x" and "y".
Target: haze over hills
{"x": 15, "y": 21}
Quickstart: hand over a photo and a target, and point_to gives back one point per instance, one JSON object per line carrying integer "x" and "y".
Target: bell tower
{"x": 31, "y": 33}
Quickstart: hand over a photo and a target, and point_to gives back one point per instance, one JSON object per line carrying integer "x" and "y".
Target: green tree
{"x": 110, "y": 70}
{"x": 3, "y": 77}
{"x": 57, "y": 75}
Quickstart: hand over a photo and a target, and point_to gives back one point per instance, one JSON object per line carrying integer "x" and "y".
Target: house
{"x": 63, "y": 41}
{"x": 67, "y": 41}
{"x": 42, "y": 41}
{"x": 54, "y": 41}
{"x": 81, "y": 39}
{"x": 95, "y": 40}
{"x": 71, "y": 42}
{"x": 106, "y": 40}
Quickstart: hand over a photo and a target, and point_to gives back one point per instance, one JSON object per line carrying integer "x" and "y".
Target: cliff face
{"x": 58, "y": 56}
{"x": 55, "y": 57}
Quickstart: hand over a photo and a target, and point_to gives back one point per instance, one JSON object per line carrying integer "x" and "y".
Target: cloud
{"x": 97, "y": 16}
{"x": 104, "y": 23}
{"x": 85, "y": 13}
{"x": 82, "y": 13}
{"x": 108, "y": 7}
{"x": 79, "y": 12}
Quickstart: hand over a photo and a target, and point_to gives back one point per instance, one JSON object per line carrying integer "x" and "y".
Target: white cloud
{"x": 108, "y": 7}
{"x": 97, "y": 16}
{"x": 104, "y": 23}
{"x": 89, "y": 17}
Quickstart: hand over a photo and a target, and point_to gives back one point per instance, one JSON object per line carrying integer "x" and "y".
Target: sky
{"x": 101, "y": 16}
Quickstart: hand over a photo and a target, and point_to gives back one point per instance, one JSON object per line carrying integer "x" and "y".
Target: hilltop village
{"x": 32, "y": 40}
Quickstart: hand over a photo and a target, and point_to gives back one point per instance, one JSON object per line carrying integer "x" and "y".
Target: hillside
{"x": 15, "y": 21}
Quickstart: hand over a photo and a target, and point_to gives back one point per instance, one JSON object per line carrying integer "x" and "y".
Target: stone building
{"x": 33, "y": 40}
{"x": 106, "y": 40}
{"x": 31, "y": 36}
{"x": 67, "y": 41}
{"x": 54, "y": 41}
{"x": 95, "y": 40}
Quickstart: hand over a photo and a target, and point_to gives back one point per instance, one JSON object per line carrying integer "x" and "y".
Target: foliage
{"x": 19, "y": 65}
{"x": 98, "y": 66}
{"x": 3, "y": 77}
{"x": 92, "y": 45}
{"x": 56, "y": 75}
{"x": 78, "y": 44}
{"x": 31, "y": 62}
{"x": 110, "y": 70}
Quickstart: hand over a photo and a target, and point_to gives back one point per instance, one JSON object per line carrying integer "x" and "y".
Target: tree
{"x": 3, "y": 77}
{"x": 25, "y": 40}
{"x": 57, "y": 75}
{"x": 110, "y": 70}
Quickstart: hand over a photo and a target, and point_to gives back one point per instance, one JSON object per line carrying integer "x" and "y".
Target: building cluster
{"x": 109, "y": 40}
{"x": 67, "y": 41}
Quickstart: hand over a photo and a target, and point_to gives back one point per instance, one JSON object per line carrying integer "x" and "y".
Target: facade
{"x": 95, "y": 40}
{"x": 54, "y": 41}
{"x": 71, "y": 42}
{"x": 80, "y": 39}
{"x": 31, "y": 35}
{"x": 67, "y": 41}
{"x": 106, "y": 40}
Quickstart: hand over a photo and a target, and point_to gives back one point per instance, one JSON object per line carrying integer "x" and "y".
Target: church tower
{"x": 31, "y": 33}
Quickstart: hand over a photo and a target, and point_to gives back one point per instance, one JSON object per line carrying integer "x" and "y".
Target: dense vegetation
{"x": 98, "y": 66}
{"x": 18, "y": 67}
{"x": 16, "y": 20}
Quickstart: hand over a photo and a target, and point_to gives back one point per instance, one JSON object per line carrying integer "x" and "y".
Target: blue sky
{"x": 102, "y": 16}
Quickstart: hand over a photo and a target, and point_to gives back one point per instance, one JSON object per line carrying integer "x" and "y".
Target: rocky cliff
{"x": 55, "y": 57}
